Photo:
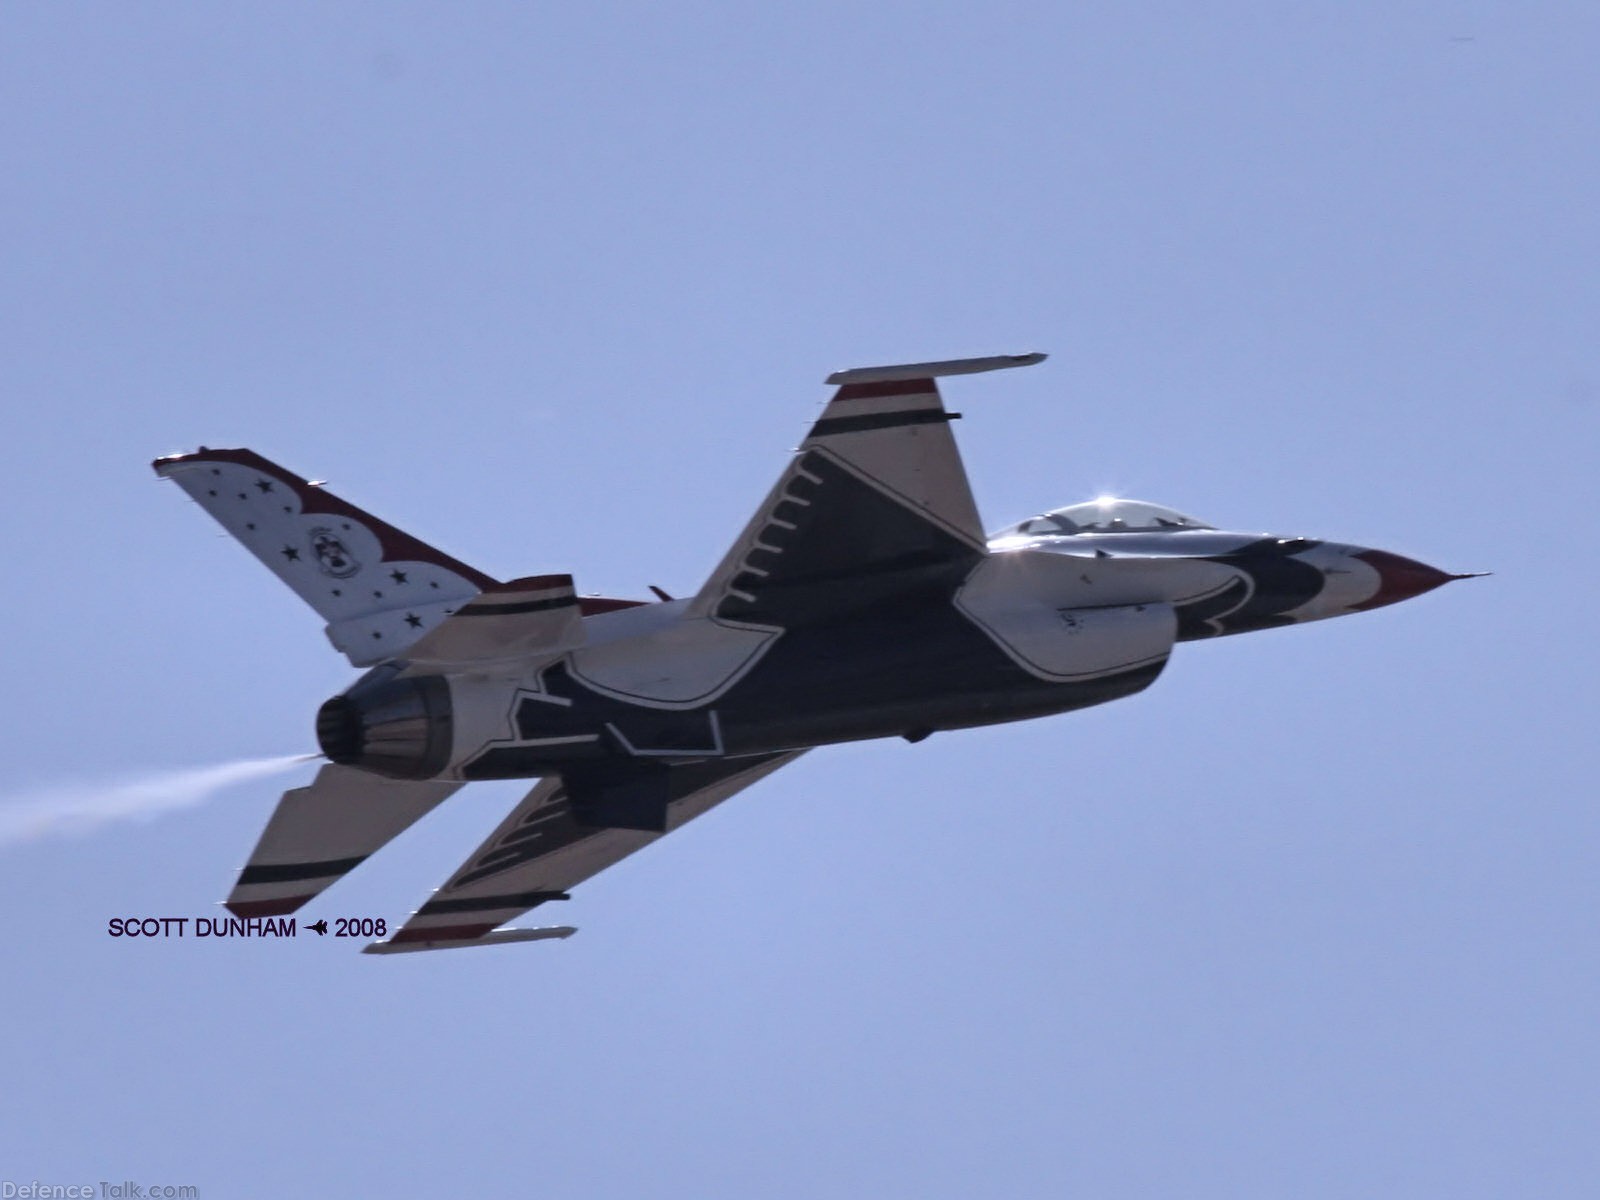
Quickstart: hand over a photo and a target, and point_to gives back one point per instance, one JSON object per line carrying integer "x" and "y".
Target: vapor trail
{"x": 76, "y": 808}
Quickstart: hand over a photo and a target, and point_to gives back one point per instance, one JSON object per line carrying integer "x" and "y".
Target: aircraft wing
{"x": 874, "y": 504}
{"x": 319, "y": 834}
{"x": 541, "y": 849}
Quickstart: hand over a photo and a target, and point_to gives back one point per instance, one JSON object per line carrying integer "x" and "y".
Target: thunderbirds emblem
{"x": 332, "y": 555}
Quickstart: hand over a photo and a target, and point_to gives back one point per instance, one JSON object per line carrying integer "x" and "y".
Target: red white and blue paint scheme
{"x": 863, "y": 600}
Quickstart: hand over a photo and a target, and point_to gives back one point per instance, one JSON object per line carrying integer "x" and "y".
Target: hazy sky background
{"x": 555, "y": 287}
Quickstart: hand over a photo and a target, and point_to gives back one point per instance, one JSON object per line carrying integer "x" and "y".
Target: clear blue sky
{"x": 554, "y": 287}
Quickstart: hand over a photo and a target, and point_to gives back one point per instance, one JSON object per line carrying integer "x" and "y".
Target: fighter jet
{"x": 863, "y": 600}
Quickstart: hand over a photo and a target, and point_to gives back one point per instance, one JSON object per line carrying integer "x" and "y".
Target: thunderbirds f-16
{"x": 863, "y": 600}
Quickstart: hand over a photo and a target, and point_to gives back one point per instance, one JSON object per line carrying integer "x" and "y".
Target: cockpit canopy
{"x": 1105, "y": 516}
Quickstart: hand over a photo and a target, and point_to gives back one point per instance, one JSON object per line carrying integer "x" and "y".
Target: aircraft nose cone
{"x": 1399, "y": 578}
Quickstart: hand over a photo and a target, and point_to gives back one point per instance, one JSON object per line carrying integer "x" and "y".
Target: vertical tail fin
{"x": 378, "y": 588}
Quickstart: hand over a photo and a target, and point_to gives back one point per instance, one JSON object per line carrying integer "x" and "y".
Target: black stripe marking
{"x": 289, "y": 872}
{"x": 484, "y": 903}
{"x": 914, "y": 416}
{"x": 278, "y": 907}
{"x": 490, "y": 609}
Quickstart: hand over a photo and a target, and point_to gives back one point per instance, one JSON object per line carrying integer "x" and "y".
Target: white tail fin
{"x": 378, "y": 588}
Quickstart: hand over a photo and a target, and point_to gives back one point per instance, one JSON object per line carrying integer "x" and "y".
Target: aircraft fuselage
{"x": 861, "y": 600}
{"x": 1039, "y": 625}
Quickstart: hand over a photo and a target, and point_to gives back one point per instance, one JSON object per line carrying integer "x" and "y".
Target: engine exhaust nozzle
{"x": 402, "y": 728}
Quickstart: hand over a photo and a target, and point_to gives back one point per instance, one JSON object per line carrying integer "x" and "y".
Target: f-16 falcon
{"x": 862, "y": 600}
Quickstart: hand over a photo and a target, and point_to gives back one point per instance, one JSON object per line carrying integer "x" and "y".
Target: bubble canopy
{"x": 1106, "y": 516}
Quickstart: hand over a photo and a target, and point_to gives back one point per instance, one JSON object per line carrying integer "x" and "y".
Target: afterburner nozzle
{"x": 401, "y": 728}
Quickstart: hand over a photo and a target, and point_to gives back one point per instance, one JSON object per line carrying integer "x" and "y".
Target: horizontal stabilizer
{"x": 378, "y": 588}
{"x": 536, "y": 615}
{"x": 319, "y": 834}
{"x": 495, "y": 937}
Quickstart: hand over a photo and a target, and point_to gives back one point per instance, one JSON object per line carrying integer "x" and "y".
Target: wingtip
{"x": 934, "y": 370}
